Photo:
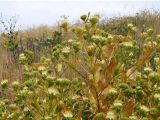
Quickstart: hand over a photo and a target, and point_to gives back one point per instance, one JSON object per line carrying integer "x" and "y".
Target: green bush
{"x": 93, "y": 75}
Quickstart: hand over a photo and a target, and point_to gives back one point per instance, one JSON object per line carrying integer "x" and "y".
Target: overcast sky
{"x": 36, "y": 13}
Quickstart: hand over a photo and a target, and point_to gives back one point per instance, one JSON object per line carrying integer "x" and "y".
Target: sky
{"x": 35, "y": 13}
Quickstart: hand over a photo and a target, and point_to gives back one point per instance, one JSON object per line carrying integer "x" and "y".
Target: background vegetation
{"x": 30, "y": 39}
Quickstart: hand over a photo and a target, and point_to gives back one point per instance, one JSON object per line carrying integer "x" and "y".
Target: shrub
{"x": 110, "y": 77}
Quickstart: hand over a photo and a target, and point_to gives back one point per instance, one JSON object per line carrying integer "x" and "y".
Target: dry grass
{"x": 8, "y": 69}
